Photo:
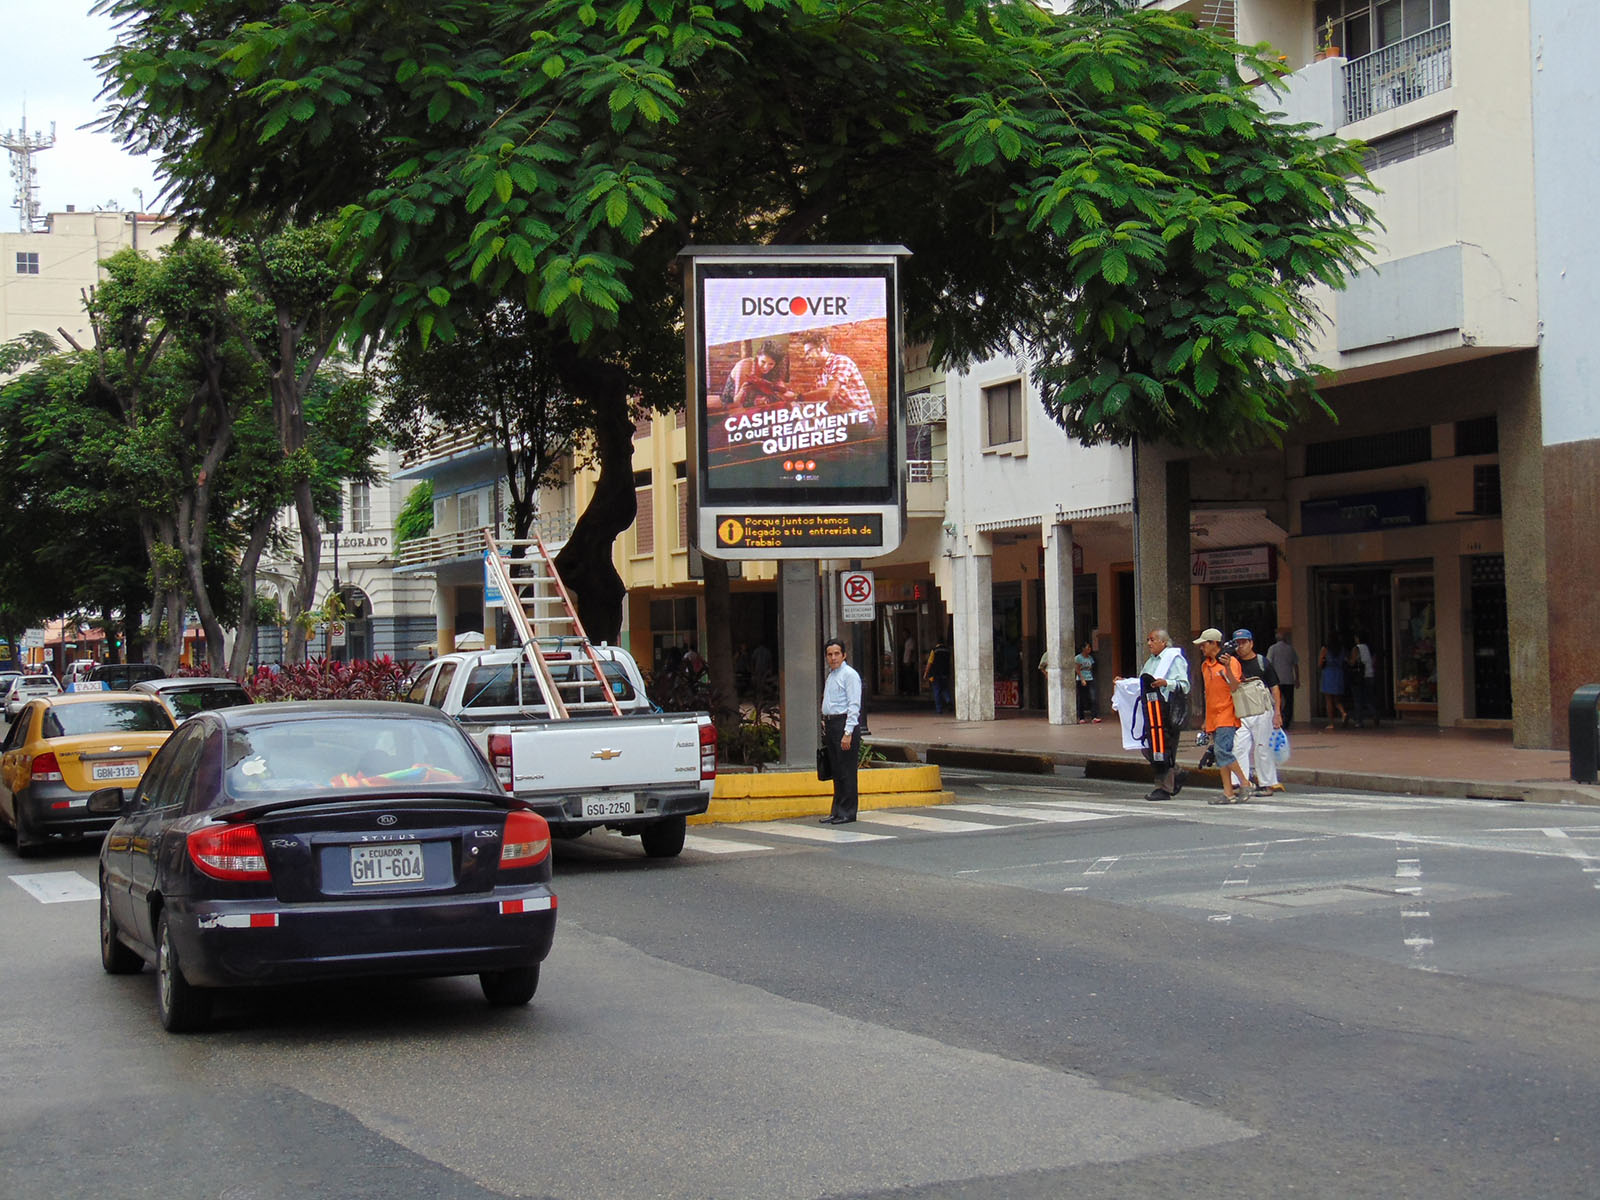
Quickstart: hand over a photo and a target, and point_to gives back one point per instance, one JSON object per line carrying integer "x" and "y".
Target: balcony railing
{"x": 1408, "y": 70}
{"x": 555, "y": 527}
{"x": 445, "y": 443}
{"x": 926, "y": 470}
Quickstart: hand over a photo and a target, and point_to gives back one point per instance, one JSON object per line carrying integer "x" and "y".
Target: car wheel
{"x": 184, "y": 1008}
{"x": 510, "y": 988}
{"x": 664, "y": 839}
{"x": 116, "y": 958}
{"x": 27, "y": 847}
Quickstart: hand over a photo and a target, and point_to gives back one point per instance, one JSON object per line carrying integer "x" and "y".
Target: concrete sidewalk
{"x": 1399, "y": 759}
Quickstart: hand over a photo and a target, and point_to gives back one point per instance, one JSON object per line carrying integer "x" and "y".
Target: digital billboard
{"x": 795, "y": 392}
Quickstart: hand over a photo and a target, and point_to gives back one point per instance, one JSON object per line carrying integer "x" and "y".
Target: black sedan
{"x": 282, "y": 843}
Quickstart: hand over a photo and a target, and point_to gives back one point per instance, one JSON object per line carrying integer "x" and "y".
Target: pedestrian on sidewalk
{"x": 1330, "y": 661}
{"x": 937, "y": 673}
{"x": 1262, "y": 762}
{"x": 1083, "y": 673}
{"x": 1164, "y": 700}
{"x": 841, "y": 713}
{"x": 1220, "y": 674}
{"x": 1285, "y": 660}
{"x": 1361, "y": 677}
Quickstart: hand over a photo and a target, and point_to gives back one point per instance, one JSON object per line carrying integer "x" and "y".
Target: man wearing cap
{"x": 1260, "y": 727}
{"x": 1220, "y": 675}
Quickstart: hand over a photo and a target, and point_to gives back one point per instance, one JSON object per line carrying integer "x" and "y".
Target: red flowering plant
{"x": 329, "y": 679}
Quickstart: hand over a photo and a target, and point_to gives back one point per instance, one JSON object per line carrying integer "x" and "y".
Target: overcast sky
{"x": 46, "y": 70}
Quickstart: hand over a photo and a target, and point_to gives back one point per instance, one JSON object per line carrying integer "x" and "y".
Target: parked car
{"x": 282, "y": 843}
{"x": 119, "y": 677}
{"x": 26, "y": 687}
{"x": 187, "y": 696}
{"x": 63, "y": 747}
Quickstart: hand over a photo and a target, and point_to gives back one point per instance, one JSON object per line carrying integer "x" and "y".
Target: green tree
{"x": 1102, "y": 188}
{"x": 416, "y": 514}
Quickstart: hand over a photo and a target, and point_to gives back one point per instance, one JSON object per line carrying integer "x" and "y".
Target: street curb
{"x": 783, "y": 795}
{"x": 1022, "y": 762}
{"x": 1136, "y": 770}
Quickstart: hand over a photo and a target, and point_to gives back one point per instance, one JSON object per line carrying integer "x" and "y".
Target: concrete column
{"x": 1060, "y": 635}
{"x": 444, "y": 616}
{"x": 1161, "y": 546}
{"x": 1538, "y": 710}
{"x": 800, "y": 639}
{"x": 974, "y": 636}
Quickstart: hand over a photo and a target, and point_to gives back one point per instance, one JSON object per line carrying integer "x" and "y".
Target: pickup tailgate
{"x": 594, "y": 754}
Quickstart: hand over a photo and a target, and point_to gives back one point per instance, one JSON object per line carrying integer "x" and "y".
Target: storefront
{"x": 1392, "y": 608}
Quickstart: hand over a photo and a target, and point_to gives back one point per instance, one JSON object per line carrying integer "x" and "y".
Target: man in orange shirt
{"x": 1220, "y": 674}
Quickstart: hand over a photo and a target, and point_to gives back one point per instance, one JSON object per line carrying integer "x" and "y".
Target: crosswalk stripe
{"x": 812, "y": 833}
{"x": 1064, "y": 816}
{"x": 693, "y": 841}
{"x": 57, "y": 887}
{"x": 926, "y": 823}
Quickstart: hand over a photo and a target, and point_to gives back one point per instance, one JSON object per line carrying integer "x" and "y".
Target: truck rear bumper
{"x": 565, "y": 814}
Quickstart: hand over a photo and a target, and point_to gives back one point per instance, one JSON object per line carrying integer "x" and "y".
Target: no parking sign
{"x": 856, "y": 593}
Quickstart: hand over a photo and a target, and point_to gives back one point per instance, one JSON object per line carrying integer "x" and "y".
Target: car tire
{"x": 116, "y": 958}
{"x": 508, "y": 989}
{"x": 27, "y": 847}
{"x": 184, "y": 1008}
{"x": 664, "y": 839}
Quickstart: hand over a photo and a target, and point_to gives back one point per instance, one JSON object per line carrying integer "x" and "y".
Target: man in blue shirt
{"x": 841, "y": 713}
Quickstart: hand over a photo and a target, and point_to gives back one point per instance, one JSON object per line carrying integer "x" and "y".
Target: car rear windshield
{"x": 108, "y": 716}
{"x": 204, "y": 699}
{"x": 510, "y": 685}
{"x": 397, "y": 753}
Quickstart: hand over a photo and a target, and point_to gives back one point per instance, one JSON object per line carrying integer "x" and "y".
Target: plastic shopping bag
{"x": 1279, "y": 744}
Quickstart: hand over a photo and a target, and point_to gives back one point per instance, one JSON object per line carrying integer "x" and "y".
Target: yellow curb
{"x": 783, "y": 795}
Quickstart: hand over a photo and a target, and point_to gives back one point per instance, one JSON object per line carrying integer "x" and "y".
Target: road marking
{"x": 57, "y": 887}
{"x": 1046, "y": 815}
{"x": 1416, "y": 922}
{"x": 693, "y": 841}
{"x": 836, "y": 834}
{"x": 1101, "y": 866}
{"x": 928, "y": 824}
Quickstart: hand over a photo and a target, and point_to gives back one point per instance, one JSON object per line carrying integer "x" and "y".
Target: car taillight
{"x": 500, "y": 758}
{"x": 526, "y": 841}
{"x": 45, "y": 768}
{"x": 229, "y": 852}
{"x": 708, "y": 749}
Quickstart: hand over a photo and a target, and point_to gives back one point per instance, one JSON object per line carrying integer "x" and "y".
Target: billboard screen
{"x": 798, "y": 371}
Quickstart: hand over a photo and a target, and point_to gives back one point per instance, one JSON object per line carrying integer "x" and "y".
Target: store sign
{"x": 857, "y": 599}
{"x": 1007, "y": 693}
{"x": 1243, "y": 564}
{"x": 1365, "y": 512}
{"x": 491, "y": 586}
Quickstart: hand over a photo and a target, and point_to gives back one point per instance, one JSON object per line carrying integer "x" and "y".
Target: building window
{"x": 1486, "y": 490}
{"x": 1358, "y": 27}
{"x": 1367, "y": 453}
{"x": 1002, "y": 409}
{"x": 27, "y": 262}
{"x": 468, "y": 514}
{"x": 682, "y": 486}
{"x": 1478, "y": 435}
{"x": 360, "y": 508}
{"x": 644, "y": 523}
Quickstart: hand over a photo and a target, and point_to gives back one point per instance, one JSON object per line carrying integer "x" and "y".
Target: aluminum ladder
{"x": 548, "y": 625}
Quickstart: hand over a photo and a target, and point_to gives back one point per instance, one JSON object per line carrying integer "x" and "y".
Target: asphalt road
{"x": 1050, "y": 989}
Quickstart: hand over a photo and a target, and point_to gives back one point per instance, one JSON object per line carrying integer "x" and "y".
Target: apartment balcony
{"x": 927, "y": 487}
{"x": 446, "y": 445}
{"x": 460, "y": 545}
{"x": 1396, "y": 75}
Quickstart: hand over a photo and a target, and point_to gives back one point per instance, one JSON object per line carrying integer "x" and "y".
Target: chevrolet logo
{"x": 606, "y": 755}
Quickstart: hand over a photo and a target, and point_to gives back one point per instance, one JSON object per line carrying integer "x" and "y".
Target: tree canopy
{"x": 1103, "y": 191}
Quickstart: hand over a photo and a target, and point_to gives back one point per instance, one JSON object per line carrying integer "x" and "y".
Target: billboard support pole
{"x": 800, "y": 640}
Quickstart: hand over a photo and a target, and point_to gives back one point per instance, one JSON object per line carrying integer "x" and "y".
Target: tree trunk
{"x": 585, "y": 561}
{"x": 244, "y": 643}
{"x": 303, "y": 596}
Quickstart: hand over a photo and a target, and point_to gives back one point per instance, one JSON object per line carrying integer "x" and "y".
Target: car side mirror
{"x": 110, "y": 801}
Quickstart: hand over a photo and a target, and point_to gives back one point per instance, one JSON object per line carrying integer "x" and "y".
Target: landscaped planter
{"x": 779, "y": 795}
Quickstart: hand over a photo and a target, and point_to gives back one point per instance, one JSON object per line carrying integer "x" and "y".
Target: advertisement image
{"x": 797, "y": 376}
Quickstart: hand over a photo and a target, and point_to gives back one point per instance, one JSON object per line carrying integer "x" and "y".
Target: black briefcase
{"x": 824, "y": 764}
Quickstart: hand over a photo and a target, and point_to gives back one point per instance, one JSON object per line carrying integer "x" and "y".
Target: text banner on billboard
{"x": 795, "y": 396}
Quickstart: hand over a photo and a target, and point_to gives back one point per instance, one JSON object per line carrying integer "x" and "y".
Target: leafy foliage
{"x": 380, "y": 678}
{"x": 416, "y": 514}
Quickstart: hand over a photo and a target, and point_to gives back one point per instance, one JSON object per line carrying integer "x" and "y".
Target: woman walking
{"x": 1332, "y": 683}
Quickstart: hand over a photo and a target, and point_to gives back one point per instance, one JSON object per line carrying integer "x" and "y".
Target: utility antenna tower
{"x": 23, "y": 146}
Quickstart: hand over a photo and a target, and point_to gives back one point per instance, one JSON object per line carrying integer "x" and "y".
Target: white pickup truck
{"x": 642, "y": 773}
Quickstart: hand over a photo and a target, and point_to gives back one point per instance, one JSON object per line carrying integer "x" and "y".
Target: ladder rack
{"x": 546, "y": 623}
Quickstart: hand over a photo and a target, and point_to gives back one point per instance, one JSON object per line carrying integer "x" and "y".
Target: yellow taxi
{"x": 61, "y": 748}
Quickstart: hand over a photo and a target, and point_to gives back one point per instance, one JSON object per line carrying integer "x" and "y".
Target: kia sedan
{"x": 285, "y": 843}
{"x": 61, "y": 748}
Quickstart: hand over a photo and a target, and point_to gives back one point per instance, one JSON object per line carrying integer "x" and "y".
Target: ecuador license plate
{"x": 100, "y": 772}
{"x": 392, "y": 862}
{"x": 612, "y": 804}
